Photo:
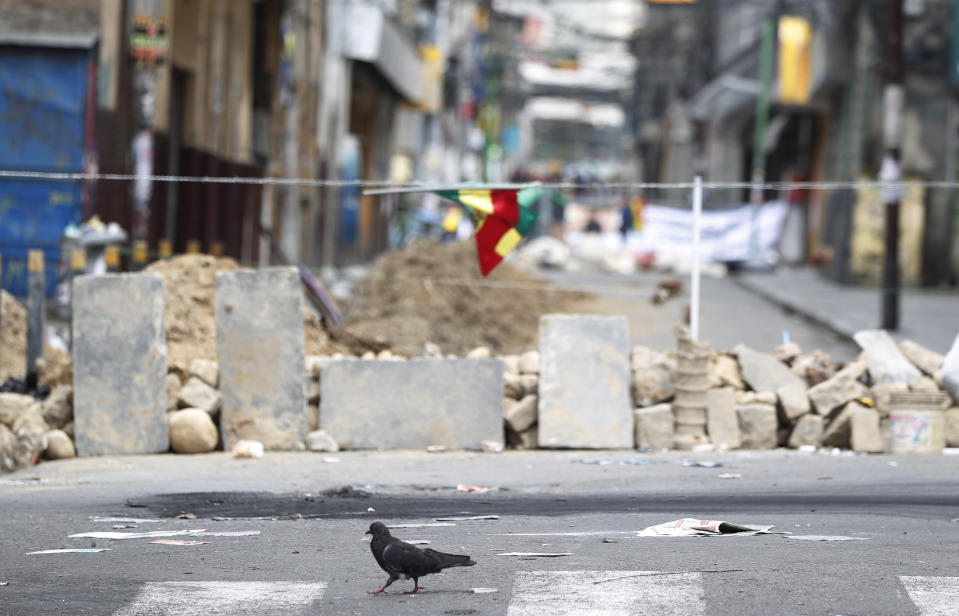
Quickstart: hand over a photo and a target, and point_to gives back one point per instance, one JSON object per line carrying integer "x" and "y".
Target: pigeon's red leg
{"x": 416, "y": 587}
{"x": 376, "y": 592}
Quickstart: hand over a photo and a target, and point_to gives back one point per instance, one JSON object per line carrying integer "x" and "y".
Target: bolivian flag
{"x": 503, "y": 218}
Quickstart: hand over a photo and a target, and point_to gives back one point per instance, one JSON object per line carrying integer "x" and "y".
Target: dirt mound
{"x": 13, "y": 337}
{"x": 190, "y": 324}
{"x": 435, "y": 293}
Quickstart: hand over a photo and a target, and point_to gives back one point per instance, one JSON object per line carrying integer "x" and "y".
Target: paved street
{"x": 310, "y": 556}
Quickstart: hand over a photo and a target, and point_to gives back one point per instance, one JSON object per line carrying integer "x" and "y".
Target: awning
{"x": 368, "y": 36}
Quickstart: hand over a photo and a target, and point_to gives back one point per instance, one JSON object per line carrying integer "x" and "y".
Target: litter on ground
{"x": 692, "y": 527}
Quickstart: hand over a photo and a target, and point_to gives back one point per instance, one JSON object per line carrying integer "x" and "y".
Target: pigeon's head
{"x": 378, "y": 528}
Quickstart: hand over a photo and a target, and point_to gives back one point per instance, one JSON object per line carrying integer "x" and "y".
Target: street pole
{"x": 759, "y": 135}
{"x": 891, "y": 171}
{"x": 694, "y": 276}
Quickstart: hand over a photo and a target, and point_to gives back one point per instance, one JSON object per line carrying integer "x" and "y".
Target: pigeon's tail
{"x": 451, "y": 560}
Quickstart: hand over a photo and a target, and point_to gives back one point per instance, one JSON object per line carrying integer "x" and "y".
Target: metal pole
{"x": 759, "y": 135}
{"x": 891, "y": 172}
{"x": 694, "y": 282}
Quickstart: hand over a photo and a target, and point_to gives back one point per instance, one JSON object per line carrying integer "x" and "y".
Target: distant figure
{"x": 593, "y": 225}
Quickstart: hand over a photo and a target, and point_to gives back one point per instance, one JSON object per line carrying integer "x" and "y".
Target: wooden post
{"x": 36, "y": 295}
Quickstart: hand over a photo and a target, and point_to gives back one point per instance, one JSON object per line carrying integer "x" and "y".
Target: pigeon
{"x": 404, "y": 561}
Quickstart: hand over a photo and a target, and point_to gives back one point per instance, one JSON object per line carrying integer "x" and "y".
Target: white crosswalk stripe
{"x": 222, "y": 598}
{"x": 934, "y": 596}
{"x": 606, "y": 593}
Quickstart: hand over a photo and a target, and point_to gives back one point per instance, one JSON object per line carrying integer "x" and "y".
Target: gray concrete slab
{"x": 584, "y": 382}
{"x": 259, "y": 338}
{"x": 119, "y": 364}
{"x": 457, "y": 403}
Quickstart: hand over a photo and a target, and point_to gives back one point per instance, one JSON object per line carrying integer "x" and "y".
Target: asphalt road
{"x": 310, "y": 556}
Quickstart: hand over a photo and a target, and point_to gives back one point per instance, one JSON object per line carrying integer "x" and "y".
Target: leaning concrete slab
{"x": 259, "y": 343}
{"x": 584, "y": 382}
{"x": 119, "y": 365}
{"x": 457, "y": 403}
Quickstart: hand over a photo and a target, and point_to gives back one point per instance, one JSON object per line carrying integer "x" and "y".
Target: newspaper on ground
{"x": 147, "y": 535}
{"x": 72, "y": 551}
{"x": 694, "y": 527}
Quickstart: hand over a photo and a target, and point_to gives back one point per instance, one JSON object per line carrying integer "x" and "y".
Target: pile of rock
{"x": 520, "y": 398}
{"x": 31, "y": 429}
{"x": 789, "y": 399}
{"x": 193, "y": 407}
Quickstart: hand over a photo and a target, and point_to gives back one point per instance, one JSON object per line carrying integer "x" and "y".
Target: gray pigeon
{"x": 404, "y": 561}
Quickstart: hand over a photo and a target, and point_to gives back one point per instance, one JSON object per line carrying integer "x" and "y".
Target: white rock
{"x": 759, "y": 426}
{"x": 837, "y": 391}
{"x": 480, "y": 353}
{"x": 928, "y": 361}
{"x": 864, "y": 433}
{"x": 492, "y": 446}
{"x": 13, "y": 454}
{"x": 197, "y": 394}
{"x": 530, "y": 383}
{"x": 793, "y": 400}
{"x": 523, "y": 414}
{"x": 206, "y": 370}
{"x": 192, "y": 431}
{"x": 11, "y": 405}
{"x": 530, "y": 438}
{"x": 653, "y": 376}
{"x": 57, "y": 409}
{"x": 319, "y": 440}
{"x": 529, "y": 362}
{"x": 173, "y": 387}
{"x": 786, "y": 353}
{"x": 31, "y": 430}
{"x": 723, "y": 371}
{"x": 654, "y": 427}
{"x": 59, "y": 446}
{"x": 807, "y": 432}
{"x": 511, "y": 364}
{"x": 512, "y": 386}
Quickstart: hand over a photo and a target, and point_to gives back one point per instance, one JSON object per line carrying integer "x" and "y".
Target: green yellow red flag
{"x": 503, "y": 218}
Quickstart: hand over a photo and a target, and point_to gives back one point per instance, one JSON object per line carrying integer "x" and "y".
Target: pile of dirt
{"x": 190, "y": 324}
{"x": 13, "y": 337}
{"x": 435, "y": 293}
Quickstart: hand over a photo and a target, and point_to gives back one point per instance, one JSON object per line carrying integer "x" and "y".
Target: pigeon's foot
{"x": 416, "y": 587}
{"x": 377, "y": 592}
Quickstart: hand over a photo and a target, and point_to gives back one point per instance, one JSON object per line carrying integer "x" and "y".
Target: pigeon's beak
{"x": 369, "y": 532}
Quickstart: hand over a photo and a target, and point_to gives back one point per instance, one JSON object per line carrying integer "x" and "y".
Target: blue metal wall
{"x": 43, "y": 93}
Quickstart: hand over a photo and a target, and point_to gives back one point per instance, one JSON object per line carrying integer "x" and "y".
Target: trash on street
{"x": 466, "y": 518}
{"x": 71, "y": 551}
{"x": 248, "y": 449}
{"x": 462, "y": 487}
{"x": 701, "y": 463}
{"x": 146, "y": 535}
{"x": 180, "y": 542}
{"x": 692, "y": 527}
{"x": 129, "y": 520}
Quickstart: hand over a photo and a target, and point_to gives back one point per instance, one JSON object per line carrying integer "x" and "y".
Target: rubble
{"x": 654, "y": 427}
{"x": 11, "y": 405}
{"x": 192, "y": 431}
{"x": 807, "y": 432}
{"x": 197, "y": 394}
{"x": 13, "y": 454}
{"x": 764, "y": 372}
{"x": 31, "y": 430}
{"x": 722, "y": 419}
{"x": 59, "y": 446}
{"x": 886, "y": 363}
{"x": 950, "y": 371}
{"x": 865, "y": 436}
{"x": 57, "y": 409}
{"x": 653, "y": 374}
{"x": 759, "y": 426}
{"x": 952, "y": 427}
{"x": 523, "y": 414}
{"x": 928, "y": 361}
{"x": 206, "y": 370}
{"x": 837, "y": 391}
{"x": 320, "y": 440}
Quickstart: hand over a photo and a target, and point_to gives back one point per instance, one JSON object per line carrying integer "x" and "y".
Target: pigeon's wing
{"x": 402, "y": 558}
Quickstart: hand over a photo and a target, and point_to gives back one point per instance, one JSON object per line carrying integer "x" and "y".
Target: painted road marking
{"x": 606, "y": 593}
{"x": 934, "y": 596}
{"x": 222, "y": 598}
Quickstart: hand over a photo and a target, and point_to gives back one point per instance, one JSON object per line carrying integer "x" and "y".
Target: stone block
{"x": 807, "y": 431}
{"x": 835, "y": 392}
{"x": 11, "y": 405}
{"x": 530, "y": 383}
{"x": 511, "y": 364}
{"x": 197, "y": 394}
{"x": 793, "y": 400}
{"x": 259, "y": 335}
{"x": 654, "y": 427}
{"x": 756, "y": 397}
{"x": 529, "y": 362}
{"x": 206, "y": 370}
{"x": 759, "y": 426}
{"x": 529, "y": 438}
{"x": 764, "y": 372}
{"x": 723, "y": 371}
{"x": 923, "y": 383}
{"x": 513, "y": 386}
{"x": 457, "y": 403}
{"x": 886, "y": 362}
{"x": 192, "y": 431}
{"x": 952, "y": 427}
{"x": 864, "y": 433}
{"x": 722, "y": 420}
{"x": 926, "y": 360}
{"x": 950, "y": 371}
{"x": 13, "y": 454}
{"x": 119, "y": 364}
{"x": 654, "y": 376}
{"x": 786, "y": 353}
{"x": 584, "y": 382}
{"x": 837, "y": 431}
{"x": 523, "y": 414}
{"x": 881, "y": 396}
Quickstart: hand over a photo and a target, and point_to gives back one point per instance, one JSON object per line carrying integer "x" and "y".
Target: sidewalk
{"x": 929, "y": 317}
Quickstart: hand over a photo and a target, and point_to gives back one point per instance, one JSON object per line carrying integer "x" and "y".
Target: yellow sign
{"x": 795, "y": 43}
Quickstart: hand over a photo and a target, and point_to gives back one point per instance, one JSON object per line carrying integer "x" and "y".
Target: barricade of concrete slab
{"x": 584, "y": 386}
{"x": 259, "y": 336}
{"x": 120, "y": 364}
{"x": 453, "y": 403}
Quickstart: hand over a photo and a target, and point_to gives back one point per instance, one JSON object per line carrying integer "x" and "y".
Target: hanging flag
{"x": 503, "y": 218}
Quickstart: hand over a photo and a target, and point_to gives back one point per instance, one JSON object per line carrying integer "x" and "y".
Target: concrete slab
{"x": 259, "y": 338}
{"x": 457, "y": 403}
{"x": 119, "y": 365}
{"x": 584, "y": 382}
